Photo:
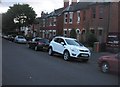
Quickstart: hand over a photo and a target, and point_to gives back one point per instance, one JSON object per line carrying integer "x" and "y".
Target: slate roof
{"x": 77, "y": 6}
{"x": 56, "y": 12}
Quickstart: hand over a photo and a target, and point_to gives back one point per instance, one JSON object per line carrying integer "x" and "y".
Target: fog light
{"x": 73, "y": 54}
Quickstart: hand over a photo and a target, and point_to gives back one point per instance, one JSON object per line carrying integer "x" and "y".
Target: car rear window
{"x": 44, "y": 41}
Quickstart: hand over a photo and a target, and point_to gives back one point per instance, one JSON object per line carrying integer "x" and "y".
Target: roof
{"x": 56, "y": 12}
{"x": 65, "y": 37}
{"x": 77, "y": 6}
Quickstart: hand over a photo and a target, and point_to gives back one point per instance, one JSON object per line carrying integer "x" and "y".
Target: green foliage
{"x": 17, "y": 11}
{"x": 73, "y": 33}
{"x": 90, "y": 39}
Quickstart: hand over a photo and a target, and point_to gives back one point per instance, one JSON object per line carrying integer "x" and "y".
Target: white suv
{"x": 69, "y": 48}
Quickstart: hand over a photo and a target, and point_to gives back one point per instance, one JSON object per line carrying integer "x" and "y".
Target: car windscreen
{"x": 79, "y": 43}
{"x": 72, "y": 42}
{"x": 21, "y": 37}
{"x": 44, "y": 41}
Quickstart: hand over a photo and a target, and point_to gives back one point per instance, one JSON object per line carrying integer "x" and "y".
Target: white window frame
{"x": 54, "y": 21}
{"x": 54, "y": 32}
{"x": 43, "y": 22}
{"x": 78, "y": 17}
{"x": 70, "y": 17}
{"x": 65, "y": 18}
{"x": 50, "y": 22}
{"x": 64, "y": 32}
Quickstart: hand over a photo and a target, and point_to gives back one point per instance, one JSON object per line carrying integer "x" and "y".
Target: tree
{"x": 73, "y": 33}
{"x": 17, "y": 16}
{"x": 91, "y": 39}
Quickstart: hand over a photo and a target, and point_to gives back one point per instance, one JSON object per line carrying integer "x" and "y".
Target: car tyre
{"x": 66, "y": 56}
{"x": 50, "y": 51}
{"x": 105, "y": 67}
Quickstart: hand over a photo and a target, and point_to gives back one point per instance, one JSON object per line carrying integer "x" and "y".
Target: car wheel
{"x": 36, "y": 48}
{"x": 105, "y": 67}
{"x": 66, "y": 56}
{"x": 50, "y": 51}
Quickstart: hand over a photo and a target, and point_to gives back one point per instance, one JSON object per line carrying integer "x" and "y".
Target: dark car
{"x": 39, "y": 44}
{"x": 110, "y": 63}
{"x": 11, "y": 37}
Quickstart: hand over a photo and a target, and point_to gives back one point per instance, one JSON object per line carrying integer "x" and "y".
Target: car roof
{"x": 65, "y": 37}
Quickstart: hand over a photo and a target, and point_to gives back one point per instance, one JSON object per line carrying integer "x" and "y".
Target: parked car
{"x": 39, "y": 44}
{"x": 11, "y": 37}
{"x": 20, "y": 39}
{"x": 109, "y": 63}
{"x": 69, "y": 48}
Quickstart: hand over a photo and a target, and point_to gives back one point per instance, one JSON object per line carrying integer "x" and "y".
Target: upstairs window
{"x": 84, "y": 14}
{"x": 93, "y": 12}
{"x": 65, "y": 18}
{"x": 50, "y": 21}
{"x": 43, "y": 22}
{"x": 78, "y": 17}
{"x": 101, "y": 12}
{"x": 54, "y": 21}
{"x": 71, "y": 17}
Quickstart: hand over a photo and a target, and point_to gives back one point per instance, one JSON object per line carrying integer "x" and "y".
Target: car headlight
{"x": 73, "y": 49}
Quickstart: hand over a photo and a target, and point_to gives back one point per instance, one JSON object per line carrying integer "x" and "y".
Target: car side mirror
{"x": 62, "y": 43}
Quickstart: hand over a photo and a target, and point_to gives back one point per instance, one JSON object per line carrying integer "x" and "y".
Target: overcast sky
{"x": 39, "y": 5}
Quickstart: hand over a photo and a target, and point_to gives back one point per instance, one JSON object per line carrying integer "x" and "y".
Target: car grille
{"x": 83, "y": 55}
{"x": 84, "y": 50}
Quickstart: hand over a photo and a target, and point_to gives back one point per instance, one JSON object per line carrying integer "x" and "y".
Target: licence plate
{"x": 84, "y": 55}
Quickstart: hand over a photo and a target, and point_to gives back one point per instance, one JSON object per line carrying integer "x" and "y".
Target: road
{"x": 24, "y": 66}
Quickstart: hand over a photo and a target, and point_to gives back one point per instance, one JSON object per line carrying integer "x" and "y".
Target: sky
{"x": 39, "y": 5}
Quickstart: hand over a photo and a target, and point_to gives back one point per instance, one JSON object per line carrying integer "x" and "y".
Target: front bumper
{"x": 81, "y": 55}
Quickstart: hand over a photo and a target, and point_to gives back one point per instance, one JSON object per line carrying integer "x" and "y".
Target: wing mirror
{"x": 62, "y": 43}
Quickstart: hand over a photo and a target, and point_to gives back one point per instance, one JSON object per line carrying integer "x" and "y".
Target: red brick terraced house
{"x": 99, "y": 18}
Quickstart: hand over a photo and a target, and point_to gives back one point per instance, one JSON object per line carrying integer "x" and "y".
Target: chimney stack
{"x": 74, "y": 2}
{"x": 66, "y": 3}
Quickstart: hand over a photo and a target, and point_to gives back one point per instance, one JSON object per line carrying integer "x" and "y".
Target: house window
{"x": 93, "y": 31}
{"x": 83, "y": 32}
{"x": 84, "y": 14}
{"x": 65, "y": 18}
{"x": 100, "y": 32}
{"x": 54, "y": 21}
{"x": 65, "y": 32}
{"x": 101, "y": 12}
{"x": 71, "y": 17}
{"x": 93, "y": 12}
{"x": 78, "y": 17}
{"x": 43, "y": 22}
{"x": 50, "y": 21}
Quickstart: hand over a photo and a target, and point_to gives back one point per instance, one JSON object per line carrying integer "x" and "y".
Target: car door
{"x": 114, "y": 63}
{"x": 61, "y": 47}
{"x": 55, "y": 44}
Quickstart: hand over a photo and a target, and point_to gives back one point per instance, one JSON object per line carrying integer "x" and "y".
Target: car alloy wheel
{"x": 66, "y": 55}
{"x": 105, "y": 67}
{"x": 50, "y": 51}
{"x": 36, "y": 48}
